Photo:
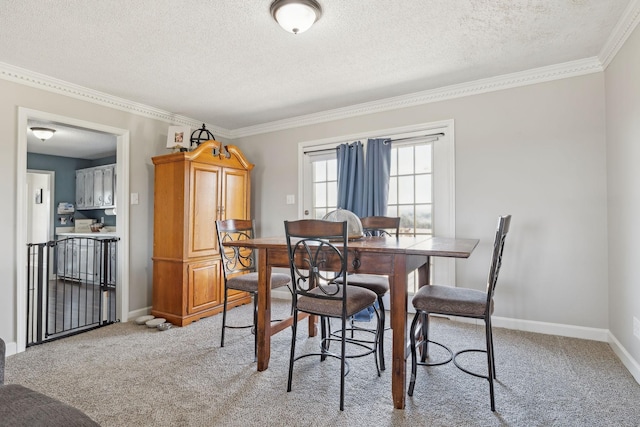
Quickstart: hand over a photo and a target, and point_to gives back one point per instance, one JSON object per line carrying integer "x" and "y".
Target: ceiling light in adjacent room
{"x": 296, "y": 16}
{"x": 43, "y": 133}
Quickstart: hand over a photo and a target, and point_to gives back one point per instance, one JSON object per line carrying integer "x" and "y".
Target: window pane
{"x": 423, "y": 188}
{"x": 394, "y": 161}
{"x": 405, "y": 160}
{"x": 332, "y": 195}
{"x": 424, "y": 224}
{"x": 332, "y": 170}
{"x": 392, "y": 211}
{"x": 423, "y": 158}
{"x": 319, "y": 213}
{"x": 393, "y": 191}
{"x": 319, "y": 171}
{"x": 320, "y": 192}
{"x": 405, "y": 189}
{"x": 406, "y": 219}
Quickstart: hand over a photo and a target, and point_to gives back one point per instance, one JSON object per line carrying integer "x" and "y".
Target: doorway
{"x": 22, "y": 222}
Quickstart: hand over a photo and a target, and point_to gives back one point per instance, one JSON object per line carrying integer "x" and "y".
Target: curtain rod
{"x": 328, "y": 150}
{"x": 437, "y": 135}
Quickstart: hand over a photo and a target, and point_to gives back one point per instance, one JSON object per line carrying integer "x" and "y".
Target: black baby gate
{"x": 71, "y": 285}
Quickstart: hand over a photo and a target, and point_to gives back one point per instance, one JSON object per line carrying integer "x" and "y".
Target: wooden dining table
{"x": 390, "y": 256}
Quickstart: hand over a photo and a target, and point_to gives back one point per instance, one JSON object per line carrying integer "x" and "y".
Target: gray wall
{"x": 623, "y": 157}
{"x": 536, "y": 152}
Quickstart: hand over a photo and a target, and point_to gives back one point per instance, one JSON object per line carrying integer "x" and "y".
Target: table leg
{"x": 398, "y": 286}
{"x": 263, "y": 329}
{"x": 424, "y": 273}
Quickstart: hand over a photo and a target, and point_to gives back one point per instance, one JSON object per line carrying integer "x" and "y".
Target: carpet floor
{"x": 130, "y": 375}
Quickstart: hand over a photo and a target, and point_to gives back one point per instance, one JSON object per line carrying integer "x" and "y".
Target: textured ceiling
{"x": 226, "y": 62}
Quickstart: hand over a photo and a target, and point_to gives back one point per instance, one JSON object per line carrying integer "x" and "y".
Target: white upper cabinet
{"x": 95, "y": 187}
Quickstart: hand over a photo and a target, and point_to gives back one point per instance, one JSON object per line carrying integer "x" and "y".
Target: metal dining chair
{"x": 317, "y": 255}
{"x": 239, "y": 269}
{"x": 377, "y": 226}
{"x": 461, "y": 302}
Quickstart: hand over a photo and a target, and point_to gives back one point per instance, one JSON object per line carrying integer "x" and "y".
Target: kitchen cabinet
{"x": 191, "y": 191}
{"x": 95, "y": 187}
{"x": 81, "y": 258}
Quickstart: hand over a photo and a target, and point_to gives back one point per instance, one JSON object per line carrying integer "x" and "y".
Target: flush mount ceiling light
{"x": 296, "y": 16}
{"x": 43, "y": 133}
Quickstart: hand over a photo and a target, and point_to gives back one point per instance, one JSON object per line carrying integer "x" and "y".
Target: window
{"x": 410, "y": 187}
{"x": 421, "y": 186}
{"x": 325, "y": 186}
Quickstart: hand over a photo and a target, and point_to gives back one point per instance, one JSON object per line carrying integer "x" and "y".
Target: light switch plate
{"x": 134, "y": 198}
{"x": 291, "y": 199}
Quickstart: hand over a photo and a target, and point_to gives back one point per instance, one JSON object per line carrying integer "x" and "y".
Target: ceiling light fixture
{"x": 296, "y": 16}
{"x": 43, "y": 133}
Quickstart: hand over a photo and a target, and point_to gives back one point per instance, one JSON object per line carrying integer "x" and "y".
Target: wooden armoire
{"x": 192, "y": 190}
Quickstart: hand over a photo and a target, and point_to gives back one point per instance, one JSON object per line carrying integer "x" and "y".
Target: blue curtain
{"x": 364, "y": 188}
{"x": 351, "y": 177}
{"x": 376, "y": 177}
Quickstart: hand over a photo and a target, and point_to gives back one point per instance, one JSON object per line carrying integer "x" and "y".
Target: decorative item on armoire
{"x": 201, "y": 135}
{"x": 177, "y": 137}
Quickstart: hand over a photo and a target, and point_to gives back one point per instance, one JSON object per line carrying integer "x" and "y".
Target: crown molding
{"x": 506, "y": 81}
{"x": 44, "y": 82}
{"x": 620, "y": 33}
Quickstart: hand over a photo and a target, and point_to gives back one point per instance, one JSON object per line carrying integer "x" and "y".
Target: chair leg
{"x": 376, "y": 343}
{"x": 342, "y": 361}
{"x": 424, "y": 330}
{"x": 493, "y": 354}
{"x": 294, "y": 328}
{"x": 414, "y": 361}
{"x": 490, "y": 363}
{"x": 381, "y": 323}
{"x": 324, "y": 346}
{"x": 224, "y": 316}
{"x": 255, "y": 327}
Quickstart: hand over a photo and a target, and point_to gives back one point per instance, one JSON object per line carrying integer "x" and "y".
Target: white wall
{"x": 623, "y": 170}
{"x": 536, "y": 152}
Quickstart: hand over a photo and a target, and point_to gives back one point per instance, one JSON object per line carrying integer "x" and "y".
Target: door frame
{"x": 122, "y": 188}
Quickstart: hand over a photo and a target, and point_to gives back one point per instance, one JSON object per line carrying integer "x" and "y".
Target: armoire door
{"x": 235, "y": 194}
{"x": 204, "y": 201}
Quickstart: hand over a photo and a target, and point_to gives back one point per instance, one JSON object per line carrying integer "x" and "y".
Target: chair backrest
{"x": 381, "y": 226}
{"x": 236, "y": 260}
{"x": 496, "y": 258}
{"x": 317, "y": 257}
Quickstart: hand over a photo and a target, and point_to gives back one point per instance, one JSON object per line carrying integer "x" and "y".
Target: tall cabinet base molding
{"x": 192, "y": 190}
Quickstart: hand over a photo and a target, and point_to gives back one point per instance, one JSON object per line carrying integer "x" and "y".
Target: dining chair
{"x": 317, "y": 256}
{"x": 239, "y": 269}
{"x": 460, "y": 302}
{"x": 377, "y": 226}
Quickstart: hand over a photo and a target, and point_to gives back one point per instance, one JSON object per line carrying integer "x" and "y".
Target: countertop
{"x": 97, "y": 235}
{"x": 108, "y": 231}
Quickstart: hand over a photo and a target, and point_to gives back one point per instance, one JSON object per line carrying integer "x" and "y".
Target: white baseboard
{"x": 562, "y": 330}
{"x": 627, "y": 360}
{"x": 11, "y": 348}
{"x": 140, "y": 312}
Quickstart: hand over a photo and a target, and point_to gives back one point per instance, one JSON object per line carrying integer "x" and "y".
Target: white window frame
{"x": 443, "y": 180}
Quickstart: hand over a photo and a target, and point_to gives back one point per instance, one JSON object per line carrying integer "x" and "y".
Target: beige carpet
{"x": 130, "y": 375}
